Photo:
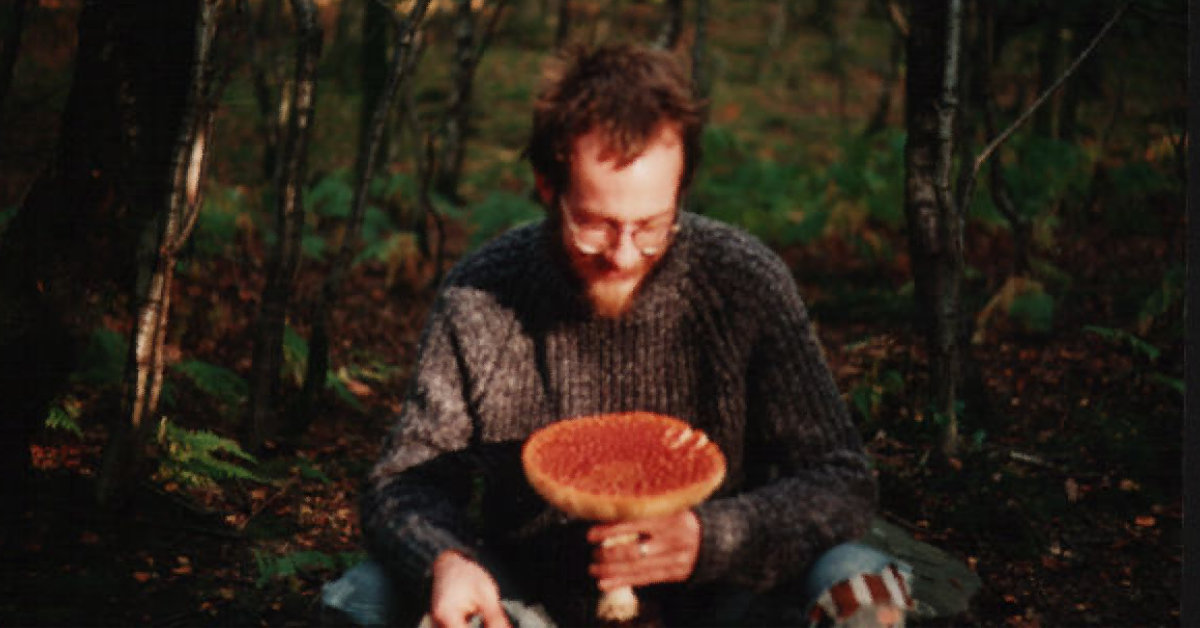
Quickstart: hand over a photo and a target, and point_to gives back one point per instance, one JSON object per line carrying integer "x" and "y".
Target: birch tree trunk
{"x": 934, "y": 224}
{"x": 71, "y": 246}
{"x": 157, "y": 254}
{"x": 284, "y": 258}
{"x": 403, "y": 63}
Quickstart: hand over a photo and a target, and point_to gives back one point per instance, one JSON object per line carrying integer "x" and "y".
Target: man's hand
{"x": 461, "y": 590}
{"x": 665, "y": 551}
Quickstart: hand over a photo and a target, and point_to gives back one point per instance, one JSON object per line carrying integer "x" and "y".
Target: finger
{"x": 448, "y": 619}
{"x": 493, "y": 615}
{"x": 673, "y": 567}
{"x": 666, "y": 573}
{"x": 598, "y": 533}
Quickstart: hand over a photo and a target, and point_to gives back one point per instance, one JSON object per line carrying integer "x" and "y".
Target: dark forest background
{"x": 222, "y": 223}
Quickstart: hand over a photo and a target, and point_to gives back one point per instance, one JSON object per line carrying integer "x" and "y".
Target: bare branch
{"x": 1000, "y": 139}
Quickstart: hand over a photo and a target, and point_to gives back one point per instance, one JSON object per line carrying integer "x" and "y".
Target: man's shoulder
{"x": 728, "y": 253}
{"x": 496, "y": 263}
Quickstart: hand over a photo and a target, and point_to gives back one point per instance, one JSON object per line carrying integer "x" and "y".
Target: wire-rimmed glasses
{"x": 596, "y": 237}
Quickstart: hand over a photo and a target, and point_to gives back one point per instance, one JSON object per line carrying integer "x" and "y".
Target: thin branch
{"x": 1000, "y": 139}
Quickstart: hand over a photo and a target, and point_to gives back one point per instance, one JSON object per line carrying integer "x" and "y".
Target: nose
{"x": 625, "y": 255}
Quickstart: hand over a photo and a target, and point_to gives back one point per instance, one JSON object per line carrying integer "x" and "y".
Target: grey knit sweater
{"x": 718, "y": 336}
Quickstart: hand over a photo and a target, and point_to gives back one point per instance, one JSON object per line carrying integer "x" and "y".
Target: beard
{"x": 612, "y": 299}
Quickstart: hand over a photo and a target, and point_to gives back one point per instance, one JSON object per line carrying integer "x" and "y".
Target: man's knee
{"x": 364, "y": 595}
{"x": 852, "y": 579}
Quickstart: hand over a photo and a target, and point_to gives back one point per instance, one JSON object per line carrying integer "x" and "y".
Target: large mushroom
{"x": 618, "y": 467}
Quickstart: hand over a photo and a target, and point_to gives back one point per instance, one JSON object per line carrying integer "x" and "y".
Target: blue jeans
{"x": 364, "y": 594}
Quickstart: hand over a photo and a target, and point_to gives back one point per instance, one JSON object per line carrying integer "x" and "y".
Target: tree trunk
{"x": 459, "y": 108}
{"x": 403, "y": 64}
{"x": 934, "y": 224}
{"x": 672, "y": 26}
{"x": 374, "y": 71}
{"x": 563, "y": 29}
{"x": 71, "y": 246}
{"x": 157, "y": 254}
{"x": 284, "y": 260}
{"x": 883, "y": 106}
{"x": 701, "y": 78}
{"x": 10, "y": 45}
{"x": 263, "y": 73}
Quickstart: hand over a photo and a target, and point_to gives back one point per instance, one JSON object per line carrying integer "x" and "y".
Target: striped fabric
{"x": 844, "y": 599}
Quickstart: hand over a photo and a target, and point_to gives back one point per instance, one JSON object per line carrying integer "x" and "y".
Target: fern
{"x": 192, "y": 457}
{"x": 216, "y": 381}
{"x": 64, "y": 417}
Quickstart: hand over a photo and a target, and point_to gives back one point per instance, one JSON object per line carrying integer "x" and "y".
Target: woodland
{"x": 223, "y": 222}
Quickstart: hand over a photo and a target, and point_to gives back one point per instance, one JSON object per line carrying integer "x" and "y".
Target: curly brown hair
{"x": 626, "y": 90}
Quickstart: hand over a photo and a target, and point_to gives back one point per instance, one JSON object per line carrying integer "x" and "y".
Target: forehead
{"x": 644, "y": 186}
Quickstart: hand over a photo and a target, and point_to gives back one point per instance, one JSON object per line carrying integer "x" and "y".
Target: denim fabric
{"x": 364, "y": 596}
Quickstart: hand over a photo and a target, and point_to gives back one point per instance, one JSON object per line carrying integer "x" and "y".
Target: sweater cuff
{"x": 421, "y": 544}
{"x": 724, "y": 531}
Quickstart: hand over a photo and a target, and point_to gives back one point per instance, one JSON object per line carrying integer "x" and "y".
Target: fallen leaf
{"x": 1145, "y": 521}
{"x": 182, "y": 570}
{"x": 1072, "y": 489}
{"x": 142, "y": 576}
{"x": 89, "y": 538}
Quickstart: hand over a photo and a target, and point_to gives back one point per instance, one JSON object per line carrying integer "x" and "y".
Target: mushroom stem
{"x": 617, "y": 605}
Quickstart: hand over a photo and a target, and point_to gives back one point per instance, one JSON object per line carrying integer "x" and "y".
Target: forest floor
{"x": 1069, "y": 515}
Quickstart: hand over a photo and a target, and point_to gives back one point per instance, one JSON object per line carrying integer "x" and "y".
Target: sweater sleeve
{"x": 414, "y": 504}
{"x": 815, "y": 488}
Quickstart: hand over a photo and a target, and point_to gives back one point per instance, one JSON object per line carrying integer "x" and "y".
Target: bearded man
{"x": 620, "y": 300}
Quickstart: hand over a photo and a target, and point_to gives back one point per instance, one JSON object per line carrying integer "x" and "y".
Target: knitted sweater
{"x": 717, "y": 336}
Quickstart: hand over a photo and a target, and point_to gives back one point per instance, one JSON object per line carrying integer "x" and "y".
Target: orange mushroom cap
{"x": 622, "y": 466}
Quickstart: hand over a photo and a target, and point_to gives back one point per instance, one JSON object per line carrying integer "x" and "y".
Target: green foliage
{"x": 102, "y": 363}
{"x": 1045, "y": 172}
{"x": 295, "y": 564}
{"x": 309, "y": 472}
{"x": 65, "y": 417}
{"x": 379, "y": 236}
{"x": 217, "y": 224}
{"x": 201, "y": 458}
{"x": 499, "y": 212}
{"x": 1130, "y": 192}
{"x": 332, "y": 195}
{"x": 216, "y": 381}
{"x": 779, "y": 203}
{"x": 295, "y": 355}
{"x": 1033, "y": 311}
{"x": 870, "y": 394}
{"x": 871, "y": 172}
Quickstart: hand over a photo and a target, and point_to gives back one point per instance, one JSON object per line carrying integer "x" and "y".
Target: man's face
{"x": 618, "y": 219}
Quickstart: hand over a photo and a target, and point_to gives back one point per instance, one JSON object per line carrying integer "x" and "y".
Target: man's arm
{"x": 413, "y": 508}
{"x": 800, "y": 435}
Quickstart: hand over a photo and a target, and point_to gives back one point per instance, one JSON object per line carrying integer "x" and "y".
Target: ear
{"x": 545, "y": 191}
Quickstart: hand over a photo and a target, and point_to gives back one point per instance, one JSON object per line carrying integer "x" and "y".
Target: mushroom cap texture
{"x": 622, "y": 466}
